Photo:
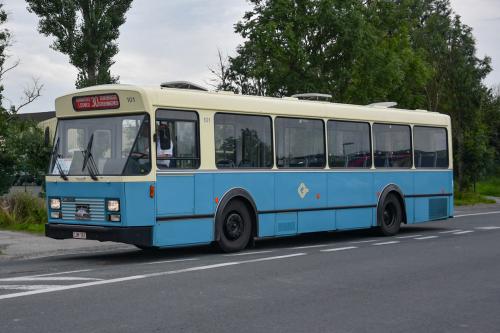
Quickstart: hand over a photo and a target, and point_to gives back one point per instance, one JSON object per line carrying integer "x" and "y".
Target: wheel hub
{"x": 233, "y": 226}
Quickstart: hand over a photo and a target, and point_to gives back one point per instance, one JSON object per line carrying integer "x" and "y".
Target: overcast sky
{"x": 176, "y": 40}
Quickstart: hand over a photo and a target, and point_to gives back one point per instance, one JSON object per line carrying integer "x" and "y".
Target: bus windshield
{"x": 102, "y": 146}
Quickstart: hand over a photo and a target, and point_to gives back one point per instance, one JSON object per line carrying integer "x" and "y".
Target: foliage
{"x": 86, "y": 31}
{"x": 489, "y": 186}
{"x": 415, "y": 52}
{"x": 471, "y": 198}
{"x": 22, "y": 211}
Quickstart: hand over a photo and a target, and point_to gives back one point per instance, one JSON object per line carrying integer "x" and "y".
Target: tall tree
{"x": 86, "y": 31}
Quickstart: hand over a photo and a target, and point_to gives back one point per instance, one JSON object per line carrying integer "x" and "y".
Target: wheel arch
{"x": 392, "y": 188}
{"x": 244, "y": 196}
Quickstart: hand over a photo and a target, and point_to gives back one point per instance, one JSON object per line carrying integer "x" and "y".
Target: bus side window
{"x": 243, "y": 141}
{"x": 431, "y": 147}
{"x": 300, "y": 143}
{"x": 392, "y": 146}
{"x": 349, "y": 144}
{"x": 177, "y": 140}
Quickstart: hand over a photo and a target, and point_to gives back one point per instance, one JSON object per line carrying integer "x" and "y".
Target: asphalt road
{"x": 435, "y": 277}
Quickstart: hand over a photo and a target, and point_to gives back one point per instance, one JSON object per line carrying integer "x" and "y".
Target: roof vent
{"x": 313, "y": 97}
{"x": 183, "y": 85}
{"x": 383, "y": 105}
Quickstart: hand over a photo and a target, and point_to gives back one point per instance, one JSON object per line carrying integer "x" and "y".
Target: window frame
{"x": 325, "y": 152}
{"x": 121, "y": 114}
{"x": 370, "y": 138}
{"x": 197, "y": 140}
{"x": 412, "y": 161}
{"x": 447, "y": 148}
{"x": 272, "y": 140}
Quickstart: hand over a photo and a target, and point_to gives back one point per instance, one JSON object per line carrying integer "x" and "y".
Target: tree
{"x": 86, "y": 31}
{"x": 417, "y": 53}
{"x": 21, "y": 142}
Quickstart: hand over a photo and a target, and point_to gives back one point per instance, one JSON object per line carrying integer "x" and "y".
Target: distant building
{"x": 46, "y": 121}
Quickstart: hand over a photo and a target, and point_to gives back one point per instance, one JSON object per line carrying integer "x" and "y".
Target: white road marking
{"x": 339, "y": 249}
{"x": 365, "y": 241}
{"x": 450, "y": 231}
{"x": 271, "y": 258}
{"x": 386, "y": 243}
{"x": 474, "y": 214}
{"x": 27, "y": 287}
{"x": 427, "y": 237}
{"x": 61, "y": 273}
{"x": 309, "y": 246}
{"x": 246, "y": 253}
{"x": 463, "y": 232}
{"x": 173, "y": 260}
{"x": 49, "y": 278}
{"x": 410, "y": 236}
{"x": 487, "y": 228}
{"x": 144, "y": 276}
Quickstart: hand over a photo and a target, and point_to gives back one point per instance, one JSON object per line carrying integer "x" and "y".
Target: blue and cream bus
{"x": 165, "y": 167}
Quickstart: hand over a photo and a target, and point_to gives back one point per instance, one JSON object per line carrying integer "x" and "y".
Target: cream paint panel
{"x": 131, "y": 100}
{"x": 208, "y": 103}
{"x": 207, "y": 140}
{"x": 103, "y": 179}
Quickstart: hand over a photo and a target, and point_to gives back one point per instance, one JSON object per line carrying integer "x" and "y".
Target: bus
{"x": 167, "y": 167}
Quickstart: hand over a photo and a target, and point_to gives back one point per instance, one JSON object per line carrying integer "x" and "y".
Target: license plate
{"x": 79, "y": 235}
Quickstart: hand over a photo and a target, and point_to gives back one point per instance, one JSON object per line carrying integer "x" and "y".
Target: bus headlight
{"x": 113, "y": 205}
{"x": 55, "y": 203}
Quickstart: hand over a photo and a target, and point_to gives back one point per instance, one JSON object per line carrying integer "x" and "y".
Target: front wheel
{"x": 390, "y": 215}
{"x": 235, "y": 227}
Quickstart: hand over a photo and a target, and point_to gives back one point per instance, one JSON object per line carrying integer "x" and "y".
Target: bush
{"x": 22, "y": 211}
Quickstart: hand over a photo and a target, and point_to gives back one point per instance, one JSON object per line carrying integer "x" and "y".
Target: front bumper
{"x": 142, "y": 236}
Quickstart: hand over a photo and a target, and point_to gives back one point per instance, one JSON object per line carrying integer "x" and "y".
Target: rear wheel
{"x": 390, "y": 215}
{"x": 235, "y": 227}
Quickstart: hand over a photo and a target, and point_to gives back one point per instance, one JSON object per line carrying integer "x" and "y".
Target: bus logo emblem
{"x": 302, "y": 190}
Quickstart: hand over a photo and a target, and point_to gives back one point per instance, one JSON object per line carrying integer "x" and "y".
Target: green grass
{"x": 490, "y": 186}
{"x": 471, "y": 198}
{"x": 23, "y": 212}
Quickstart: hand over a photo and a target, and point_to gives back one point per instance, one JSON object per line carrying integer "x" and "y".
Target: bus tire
{"x": 234, "y": 227}
{"x": 390, "y": 215}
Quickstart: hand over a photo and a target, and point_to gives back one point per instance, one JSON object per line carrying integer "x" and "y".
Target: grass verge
{"x": 471, "y": 198}
{"x": 23, "y": 212}
{"x": 490, "y": 186}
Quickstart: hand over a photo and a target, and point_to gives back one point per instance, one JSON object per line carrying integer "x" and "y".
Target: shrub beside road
{"x": 23, "y": 212}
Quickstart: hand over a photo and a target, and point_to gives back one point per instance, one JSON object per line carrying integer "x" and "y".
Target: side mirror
{"x": 164, "y": 137}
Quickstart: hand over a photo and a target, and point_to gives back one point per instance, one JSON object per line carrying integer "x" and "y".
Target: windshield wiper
{"x": 57, "y": 156}
{"x": 87, "y": 157}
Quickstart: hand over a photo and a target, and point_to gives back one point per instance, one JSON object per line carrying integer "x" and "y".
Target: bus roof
{"x": 141, "y": 99}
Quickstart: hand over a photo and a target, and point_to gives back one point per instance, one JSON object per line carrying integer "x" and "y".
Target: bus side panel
{"x": 434, "y": 207}
{"x": 302, "y": 190}
{"x": 260, "y": 185}
{"x": 175, "y": 195}
{"x": 139, "y": 206}
{"x": 204, "y": 194}
{"x": 402, "y": 179}
{"x": 184, "y": 232}
{"x": 348, "y": 189}
{"x": 266, "y": 225}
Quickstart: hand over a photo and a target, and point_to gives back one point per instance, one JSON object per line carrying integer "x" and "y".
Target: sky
{"x": 175, "y": 40}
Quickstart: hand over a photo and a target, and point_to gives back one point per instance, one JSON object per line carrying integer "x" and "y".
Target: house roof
{"x": 37, "y": 116}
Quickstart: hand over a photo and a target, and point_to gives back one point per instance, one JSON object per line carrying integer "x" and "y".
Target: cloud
{"x": 176, "y": 40}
